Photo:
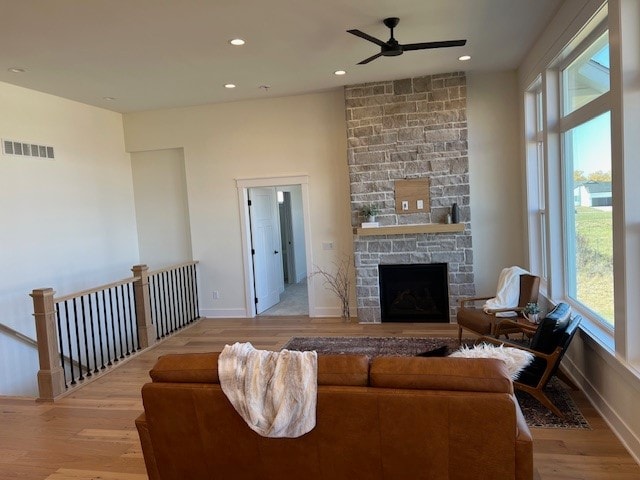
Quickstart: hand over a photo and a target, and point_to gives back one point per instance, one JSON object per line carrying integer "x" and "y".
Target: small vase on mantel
{"x": 455, "y": 213}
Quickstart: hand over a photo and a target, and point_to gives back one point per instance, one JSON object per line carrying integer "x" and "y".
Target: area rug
{"x": 535, "y": 414}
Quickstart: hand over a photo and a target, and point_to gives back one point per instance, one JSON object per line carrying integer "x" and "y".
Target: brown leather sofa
{"x": 388, "y": 418}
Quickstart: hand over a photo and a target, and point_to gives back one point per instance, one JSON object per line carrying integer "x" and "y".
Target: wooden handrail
{"x": 173, "y": 267}
{"x": 96, "y": 289}
{"x": 20, "y": 336}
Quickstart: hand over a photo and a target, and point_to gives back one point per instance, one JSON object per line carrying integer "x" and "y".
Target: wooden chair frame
{"x": 551, "y": 360}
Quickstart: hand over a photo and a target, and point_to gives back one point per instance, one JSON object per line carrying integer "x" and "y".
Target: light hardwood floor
{"x": 90, "y": 434}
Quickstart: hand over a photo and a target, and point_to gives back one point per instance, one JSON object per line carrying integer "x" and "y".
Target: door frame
{"x": 243, "y": 185}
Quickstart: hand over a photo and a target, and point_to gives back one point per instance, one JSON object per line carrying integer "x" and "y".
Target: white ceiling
{"x": 151, "y": 54}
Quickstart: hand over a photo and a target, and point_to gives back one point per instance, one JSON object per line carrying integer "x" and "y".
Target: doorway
{"x": 276, "y": 242}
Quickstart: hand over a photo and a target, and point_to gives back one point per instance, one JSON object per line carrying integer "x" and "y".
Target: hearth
{"x": 414, "y": 293}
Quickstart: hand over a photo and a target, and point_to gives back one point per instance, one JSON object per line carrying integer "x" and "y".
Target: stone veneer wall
{"x": 411, "y": 128}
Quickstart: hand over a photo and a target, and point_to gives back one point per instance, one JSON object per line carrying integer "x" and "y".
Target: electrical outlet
{"x": 216, "y": 294}
{"x": 405, "y": 205}
{"x": 420, "y": 204}
{"x": 327, "y": 245}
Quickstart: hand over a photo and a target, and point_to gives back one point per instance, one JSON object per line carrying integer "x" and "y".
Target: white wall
{"x": 162, "y": 212}
{"x": 307, "y": 135}
{"x": 495, "y": 176}
{"x": 67, "y": 223}
{"x": 260, "y": 138}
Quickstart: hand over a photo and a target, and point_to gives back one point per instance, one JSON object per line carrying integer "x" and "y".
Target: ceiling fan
{"x": 392, "y": 48}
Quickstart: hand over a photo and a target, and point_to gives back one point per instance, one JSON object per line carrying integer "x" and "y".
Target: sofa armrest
{"x": 147, "y": 448}
{"x": 524, "y": 447}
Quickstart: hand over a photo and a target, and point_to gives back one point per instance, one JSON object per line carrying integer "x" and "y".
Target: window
{"x": 568, "y": 136}
{"x": 535, "y": 126}
{"x": 588, "y": 215}
{"x": 586, "y": 161}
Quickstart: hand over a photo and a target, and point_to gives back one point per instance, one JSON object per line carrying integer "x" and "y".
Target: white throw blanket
{"x": 508, "y": 291}
{"x": 274, "y": 392}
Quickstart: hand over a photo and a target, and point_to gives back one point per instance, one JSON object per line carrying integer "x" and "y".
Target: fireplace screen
{"x": 414, "y": 293}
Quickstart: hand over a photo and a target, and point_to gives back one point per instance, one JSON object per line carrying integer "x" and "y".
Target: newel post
{"x": 146, "y": 330}
{"x": 50, "y": 375}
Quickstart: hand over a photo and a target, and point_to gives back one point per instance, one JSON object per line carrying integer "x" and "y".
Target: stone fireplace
{"x": 414, "y": 128}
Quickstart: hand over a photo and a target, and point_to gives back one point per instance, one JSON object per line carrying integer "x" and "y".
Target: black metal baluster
{"x": 75, "y": 321}
{"x": 156, "y": 302}
{"x": 189, "y": 295}
{"x": 93, "y": 336}
{"x": 175, "y": 299}
{"x": 188, "y": 291}
{"x": 195, "y": 283}
{"x": 106, "y": 328}
{"x": 161, "y": 318}
{"x": 165, "y": 302}
{"x": 84, "y": 331}
{"x": 64, "y": 370}
{"x": 192, "y": 306}
{"x": 116, "y": 323}
{"x": 97, "y": 304}
{"x": 134, "y": 315}
{"x": 113, "y": 329}
{"x": 183, "y": 321}
{"x": 66, "y": 316}
{"x": 122, "y": 319}
{"x": 131, "y": 322}
{"x": 170, "y": 302}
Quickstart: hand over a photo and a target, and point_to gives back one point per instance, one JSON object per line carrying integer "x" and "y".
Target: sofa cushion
{"x": 347, "y": 370}
{"x": 186, "y": 368}
{"x": 351, "y": 370}
{"x": 453, "y": 374}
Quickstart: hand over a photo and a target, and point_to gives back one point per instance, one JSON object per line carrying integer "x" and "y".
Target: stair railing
{"x": 85, "y": 333}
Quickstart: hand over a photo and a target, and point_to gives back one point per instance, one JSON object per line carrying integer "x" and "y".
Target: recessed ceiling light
{"x": 229, "y": 85}
{"x": 339, "y": 72}
{"x": 16, "y": 70}
{"x": 464, "y": 58}
{"x": 110, "y": 99}
{"x": 237, "y": 42}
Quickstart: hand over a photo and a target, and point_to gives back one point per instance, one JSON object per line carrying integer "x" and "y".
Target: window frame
{"x": 552, "y": 214}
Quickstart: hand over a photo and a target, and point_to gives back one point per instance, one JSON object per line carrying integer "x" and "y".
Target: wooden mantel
{"x": 412, "y": 228}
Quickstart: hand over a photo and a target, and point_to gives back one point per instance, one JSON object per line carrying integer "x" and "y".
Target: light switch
{"x": 420, "y": 204}
{"x": 405, "y": 205}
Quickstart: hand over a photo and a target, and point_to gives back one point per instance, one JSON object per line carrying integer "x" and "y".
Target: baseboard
{"x": 331, "y": 312}
{"x": 617, "y": 425}
{"x": 223, "y": 313}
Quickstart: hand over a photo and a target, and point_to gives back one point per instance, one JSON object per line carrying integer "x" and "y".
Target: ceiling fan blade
{"x": 367, "y": 60}
{"x": 366, "y": 36}
{"x": 422, "y": 46}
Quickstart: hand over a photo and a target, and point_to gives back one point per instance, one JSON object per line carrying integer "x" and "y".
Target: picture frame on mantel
{"x": 412, "y": 196}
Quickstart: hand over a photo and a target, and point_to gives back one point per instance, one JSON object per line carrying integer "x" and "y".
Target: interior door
{"x": 265, "y": 244}
{"x": 286, "y": 230}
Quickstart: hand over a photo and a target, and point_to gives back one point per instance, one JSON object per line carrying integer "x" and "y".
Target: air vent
{"x": 23, "y": 149}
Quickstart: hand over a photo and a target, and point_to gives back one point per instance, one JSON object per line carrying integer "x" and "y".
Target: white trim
{"x": 629, "y": 379}
{"x": 276, "y": 181}
{"x": 566, "y": 27}
{"x": 243, "y": 185}
{"x": 223, "y": 313}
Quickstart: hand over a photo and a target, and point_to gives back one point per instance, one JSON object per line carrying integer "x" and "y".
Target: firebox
{"x": 414, "y": 293}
